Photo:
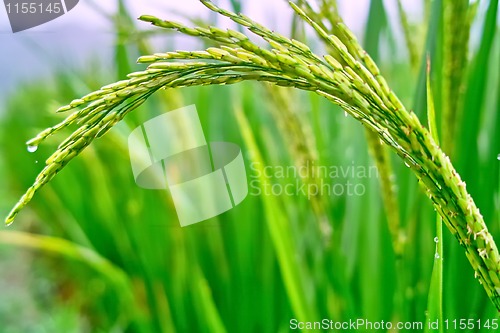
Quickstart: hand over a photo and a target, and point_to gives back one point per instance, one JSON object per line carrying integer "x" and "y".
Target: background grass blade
{"x": 268, "y": 260}
{"x": 435, "y": 303}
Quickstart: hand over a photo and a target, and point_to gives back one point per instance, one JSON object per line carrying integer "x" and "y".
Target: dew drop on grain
{"x": 498, "y": 157}
{"x": 436, "y": 239}
{"x": 32, "y": 149}
{"x": 437, "y": 256}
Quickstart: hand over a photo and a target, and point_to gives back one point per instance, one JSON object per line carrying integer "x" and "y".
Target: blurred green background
{"x": 95, "y": 253}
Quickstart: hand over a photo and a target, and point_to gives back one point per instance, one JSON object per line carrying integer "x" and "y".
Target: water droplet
{"x": 407, "y": 164}
{"x": 36, "y": 162}
{"x": 9, "y": 220}
{"x": 437, "y": 256}
{"x": 346, "y": 114}
{"x": 498, "y": 157}
{"x": 436, "y": 239}
{"x": 32, "y": 149}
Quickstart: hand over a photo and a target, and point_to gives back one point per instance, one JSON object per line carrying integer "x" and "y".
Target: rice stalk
{"x": 355, "y": 85}
{"x": 298, "y": 137}
{"x": 67, "y": 250}
{"x": 296, "y": 279}
{"x": 435, "y": 299}
{"x": 411, "y": 44}
{"x": 457, "y": 23}
{"x": 330, "y": 21}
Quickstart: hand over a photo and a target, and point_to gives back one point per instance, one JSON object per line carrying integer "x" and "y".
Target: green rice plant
{"x": 68, "y": 250}
{"x": 435, "y": 302}
{"x": 328, "y": 19}
{"x": 458, "y": 16}
{"x": 348, "y": 78}
{"x": 409, "y": 36}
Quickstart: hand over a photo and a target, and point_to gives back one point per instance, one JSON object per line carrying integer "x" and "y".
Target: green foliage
{"x": 274, "y": 257}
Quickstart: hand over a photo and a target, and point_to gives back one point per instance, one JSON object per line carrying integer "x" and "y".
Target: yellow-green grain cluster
{"x": 348, "y": 77}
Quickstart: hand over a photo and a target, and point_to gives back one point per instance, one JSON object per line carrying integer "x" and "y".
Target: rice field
{"x": 373, "y": 177}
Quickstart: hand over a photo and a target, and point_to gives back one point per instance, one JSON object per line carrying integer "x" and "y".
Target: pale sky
{"x": 82, "y": 33}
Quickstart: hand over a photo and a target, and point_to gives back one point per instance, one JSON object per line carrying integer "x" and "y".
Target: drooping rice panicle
{"x": 355, "y": 85}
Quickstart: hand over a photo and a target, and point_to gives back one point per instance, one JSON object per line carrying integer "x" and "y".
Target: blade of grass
{"x": 468, "y": 154}
{"x": 435, "y": 298}
{"x": 409, "y": 36}
{"x": 297, "y": 134}
{"x": 414, "y": 207}
{"x": 123, "y": 24}
{"x": 204, "y": 303}
{"x": 456, "y": 28}
{"x": 69, "y": 250}
{"x": 377, "y": 23}
{"x": 291, "y": 271}
{"x": 474, "y": 100}
{"x": 431, "y": 44}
